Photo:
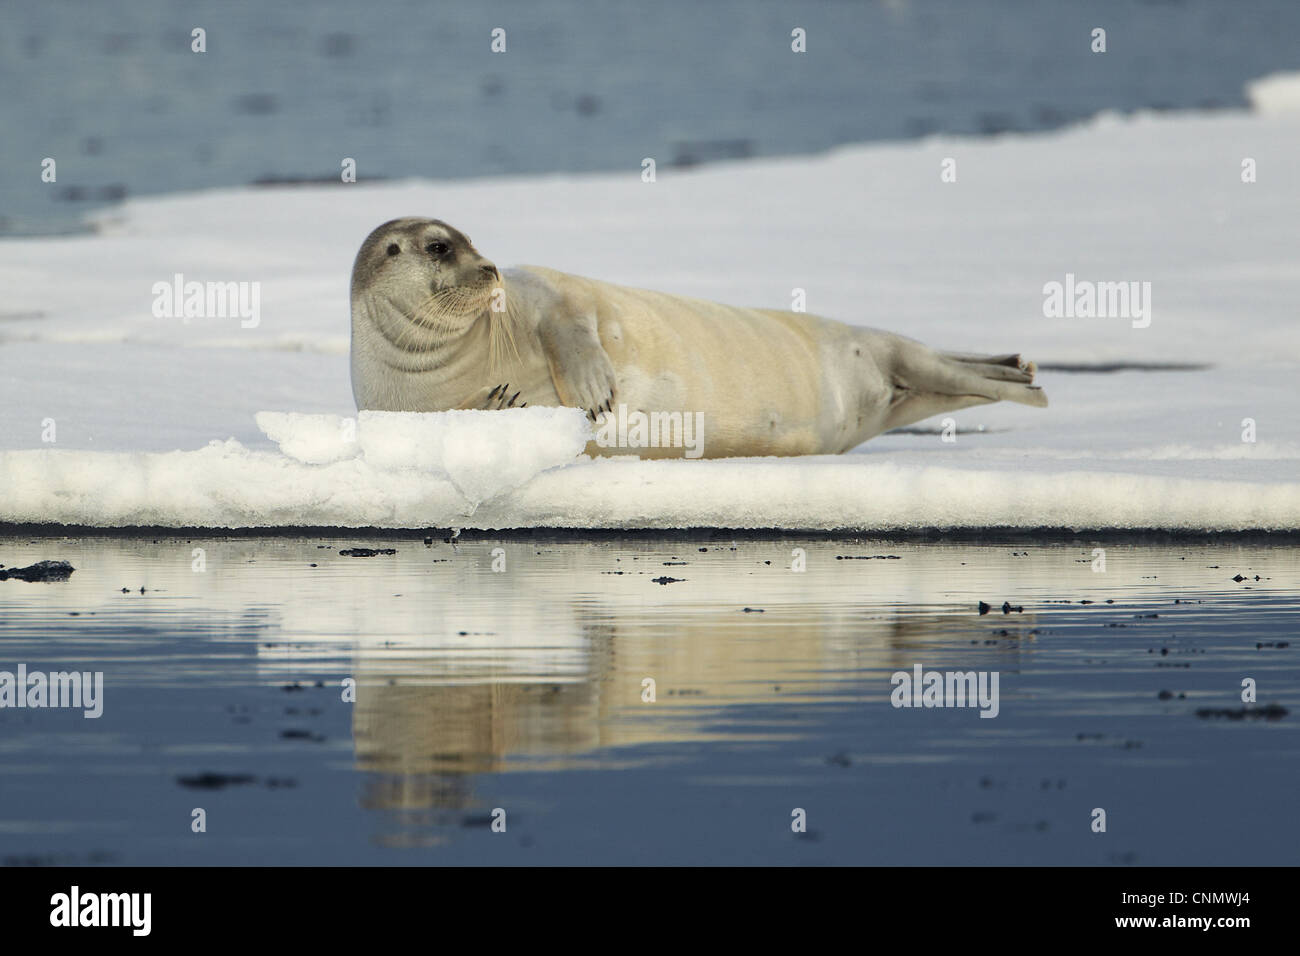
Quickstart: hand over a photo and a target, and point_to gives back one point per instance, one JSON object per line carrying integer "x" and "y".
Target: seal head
{"x": 420, "y": 281}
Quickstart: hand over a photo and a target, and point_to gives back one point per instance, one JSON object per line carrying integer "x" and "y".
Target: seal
{"x": 436, "y": 326}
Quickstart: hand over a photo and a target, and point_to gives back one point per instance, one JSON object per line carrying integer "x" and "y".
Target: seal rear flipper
{"x": 910, "y": 407}
{"x": 913, "y": 406}
{"x": 992, "y": 377}
{"x": 1028, "y": 395}
{"x": 1015, "y": 361}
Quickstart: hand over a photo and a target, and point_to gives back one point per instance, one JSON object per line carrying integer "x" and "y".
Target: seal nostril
{"x": 489, "y": 272}
{"x": 394, "y": 249}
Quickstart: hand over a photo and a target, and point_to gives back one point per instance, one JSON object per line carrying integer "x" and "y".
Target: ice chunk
{"x": 313, "y": 439}
{"x": 1275, "y": 93}
{"x": 483, "y": 454}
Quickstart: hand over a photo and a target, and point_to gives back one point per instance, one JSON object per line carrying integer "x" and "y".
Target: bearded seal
{"x": 436, "y": 326}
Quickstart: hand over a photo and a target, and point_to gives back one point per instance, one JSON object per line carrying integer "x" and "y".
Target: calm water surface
{"x": 112, "y": 91}
{"x": 522, "y": 689}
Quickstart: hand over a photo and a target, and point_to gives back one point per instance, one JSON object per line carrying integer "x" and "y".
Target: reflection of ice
{"x": 445, "y": 638}
{"x": 462, "y": 670}
{"x": 557, "y": 648}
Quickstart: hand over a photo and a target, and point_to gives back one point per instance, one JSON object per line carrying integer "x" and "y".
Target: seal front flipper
{"x": 581, "y": 370}
{"x": 493, "y": 399}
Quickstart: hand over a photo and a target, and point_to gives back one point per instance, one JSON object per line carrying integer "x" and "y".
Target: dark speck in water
{"x": 215, "y": 781}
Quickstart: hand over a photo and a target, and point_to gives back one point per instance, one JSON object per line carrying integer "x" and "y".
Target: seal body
{"x": 720, "y": 380}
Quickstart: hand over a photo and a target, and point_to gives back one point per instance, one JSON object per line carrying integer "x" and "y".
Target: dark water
{"x": 112, "y": 91}
{"x": 521, "y": 689}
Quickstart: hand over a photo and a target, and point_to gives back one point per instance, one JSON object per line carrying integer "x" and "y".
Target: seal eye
{"x": 437, "y": 248}
{"x": 394, "y": 249}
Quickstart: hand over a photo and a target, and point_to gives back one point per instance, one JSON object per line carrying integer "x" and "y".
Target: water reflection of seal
{"x": 436, "y": 326}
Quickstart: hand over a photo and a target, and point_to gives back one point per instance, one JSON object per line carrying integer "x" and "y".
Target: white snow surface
{"x": 111, "y": 417}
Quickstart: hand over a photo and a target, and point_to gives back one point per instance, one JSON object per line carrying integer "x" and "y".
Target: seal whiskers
{"x": 501, "y": 336}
